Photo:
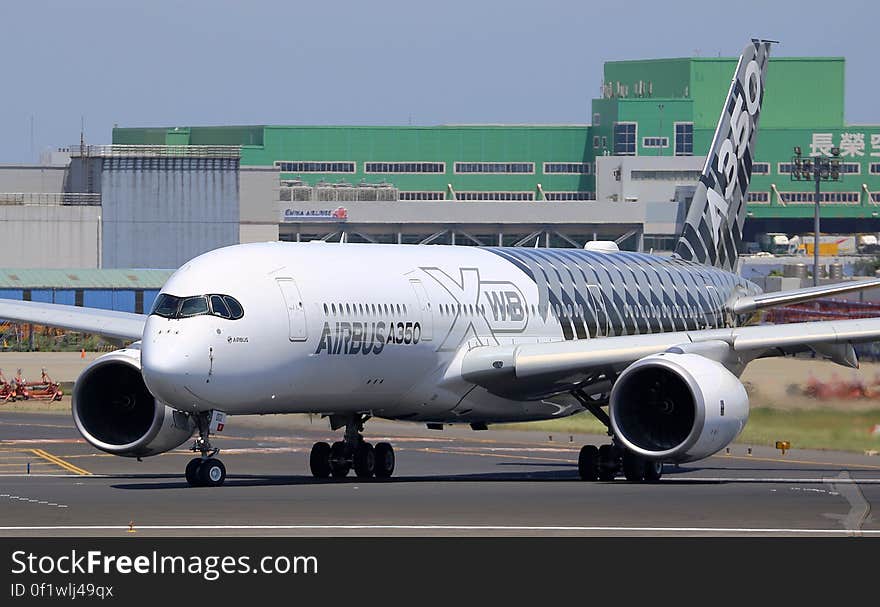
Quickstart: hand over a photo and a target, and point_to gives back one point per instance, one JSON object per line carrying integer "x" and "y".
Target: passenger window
{"x": 219, "y": 307}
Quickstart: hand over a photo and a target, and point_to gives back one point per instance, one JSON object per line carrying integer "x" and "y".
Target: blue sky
{"x": 160, "y": 62}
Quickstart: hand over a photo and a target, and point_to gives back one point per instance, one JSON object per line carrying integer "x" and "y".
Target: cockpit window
{"x": 224, "y": 306}
{"x": 166, "y": 306}
{"x": 194, "y": 306}
{"x": 234, "y": 307}
{"x": 219, "y": 307}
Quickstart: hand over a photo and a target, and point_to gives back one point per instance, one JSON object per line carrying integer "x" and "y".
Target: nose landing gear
{"x": 351, "y": 452}
{"x": 206, "y": 470}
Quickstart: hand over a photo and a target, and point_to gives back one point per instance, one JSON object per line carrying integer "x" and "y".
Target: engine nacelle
{"x": 677, "y": 407}
{"x": 115, "y": 412}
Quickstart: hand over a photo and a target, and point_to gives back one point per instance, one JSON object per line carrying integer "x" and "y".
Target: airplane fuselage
{"x": 378, "y": 328}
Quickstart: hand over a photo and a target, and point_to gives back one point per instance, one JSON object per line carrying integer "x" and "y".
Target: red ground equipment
{"x": 7, "y": 392}
{"x": 45, "y": 389}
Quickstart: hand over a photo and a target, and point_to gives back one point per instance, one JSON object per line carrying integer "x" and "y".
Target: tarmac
{"x": 450, "y": 482}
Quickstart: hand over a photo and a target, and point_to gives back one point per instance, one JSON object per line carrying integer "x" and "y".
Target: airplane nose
{"x": 169, "y": 366}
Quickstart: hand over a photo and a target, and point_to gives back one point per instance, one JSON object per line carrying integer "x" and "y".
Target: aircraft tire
{"x": 192, "y": 472}
{"x": 633, "y": 467}
{"x": 364, "y": 460}
{"x": 319, "y": 460}
{"x": 339, "y": 464}
{"x": 384, "y": 460}
{"x": 588, "y": 463}
{"x": 212, "y": 473}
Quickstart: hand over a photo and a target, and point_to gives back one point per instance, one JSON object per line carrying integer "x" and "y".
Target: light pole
{"x": 816, "y": 169}
{"x": 660, "y": 147}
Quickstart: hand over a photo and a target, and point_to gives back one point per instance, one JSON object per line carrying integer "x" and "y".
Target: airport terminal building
{"x": 625, "y": 176}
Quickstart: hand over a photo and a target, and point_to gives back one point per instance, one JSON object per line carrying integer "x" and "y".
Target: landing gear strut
{"x": 605, "y": 462}
{"x": 353, "y": 451}
{"x": 205, "y": 470}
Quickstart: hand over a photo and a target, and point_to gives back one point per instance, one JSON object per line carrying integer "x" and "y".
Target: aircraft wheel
{"x": 339, "y": 465}
{"x": 607, "y": 463}
{"x": 588, "y": 463}
{"x": 653, "y": 471}
{"x": 633, "y": 467}
{"x": 319, "y": 460}
{"x": 364, "y": 460}
{"x": 212, "y": 473}
{"x": 192, "y": 471}
{"x": 384, "y": 460}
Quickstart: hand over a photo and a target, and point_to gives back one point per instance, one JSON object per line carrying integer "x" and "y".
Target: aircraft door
{"x": 296, "y": 312}
{"x": 427, "y": 321}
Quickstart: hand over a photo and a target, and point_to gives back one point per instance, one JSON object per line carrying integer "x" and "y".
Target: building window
{"x": 625, "y": 138}
{"x": 495, "y": 167}
{"x": 422, "y": 195}
{"x": 825, "y": 198}
{"x": 759, "y": 197}
{"x": 404, "y": 167}
{"x": 655, "y": 142}
{"x": 308, "y": 166}
{"x": 595, "y": 142}
{"x": 604, "y": 141}
{"x": 875, "y": 197}
{"x": 783, "y": 168}
{"x": 494, "y": 196}
{"x": 760, "y": 168}
{"x": 663, "y": 175}
{"x": 582, "y": 195}
{"x": 684, "y": 138}
{"x": 597, "y": 119}
{"x": 578, "y": 168}
{"x": 851, "y": 168}
{"x": 875, "y": 168}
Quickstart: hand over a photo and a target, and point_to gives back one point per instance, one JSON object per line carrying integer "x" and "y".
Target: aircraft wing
{"x": 542, "y": 369}
{"x": 784, "y": 298}
{"x": 108, "y": 323}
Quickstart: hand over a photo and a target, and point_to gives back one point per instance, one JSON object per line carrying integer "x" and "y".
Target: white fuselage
{"x": 333, "y": 328}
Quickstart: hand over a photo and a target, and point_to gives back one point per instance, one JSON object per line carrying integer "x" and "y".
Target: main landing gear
{"x": 206, "y": 470}
{"x": 604, "y": 463}
{"x": 353, "y": 451}
{"x": 607, "y": 461}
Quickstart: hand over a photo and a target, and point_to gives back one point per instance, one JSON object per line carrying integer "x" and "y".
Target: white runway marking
{"x": 30, "y": 500}
{"x": 669, "y": 479}
{"x": 496, "y": 528}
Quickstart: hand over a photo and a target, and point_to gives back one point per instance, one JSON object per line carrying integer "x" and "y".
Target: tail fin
{"x": 713, "y": 228}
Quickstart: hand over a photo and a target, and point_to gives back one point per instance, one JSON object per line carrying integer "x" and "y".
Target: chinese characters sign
{"x": 851, "y": 145}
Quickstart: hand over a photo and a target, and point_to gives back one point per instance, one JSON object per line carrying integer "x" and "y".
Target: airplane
{"x": 652, "y": 346}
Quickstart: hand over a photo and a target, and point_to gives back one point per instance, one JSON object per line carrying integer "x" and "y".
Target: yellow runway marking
{"x": 60, "y": 462}
{"x": 798, "y": 461}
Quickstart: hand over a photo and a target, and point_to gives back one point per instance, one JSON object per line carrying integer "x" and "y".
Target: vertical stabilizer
{"x": 713, "y": 227}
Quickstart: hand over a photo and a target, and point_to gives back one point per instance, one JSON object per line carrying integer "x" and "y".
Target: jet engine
{"x": 677, "y": 407}
{"x": 115, "y": 412}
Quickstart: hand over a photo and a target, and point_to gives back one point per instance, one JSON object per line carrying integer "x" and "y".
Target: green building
{"x": 648, "y": 108}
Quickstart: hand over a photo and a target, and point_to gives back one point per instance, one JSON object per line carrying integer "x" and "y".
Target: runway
{"x": 452, "y": 482}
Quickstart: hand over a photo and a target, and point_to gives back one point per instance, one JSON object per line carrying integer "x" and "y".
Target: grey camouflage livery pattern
{"x": 595, "y": 294}
{"x": 713, "y": 229}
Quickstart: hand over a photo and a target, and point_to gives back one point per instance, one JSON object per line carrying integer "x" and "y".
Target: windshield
{"x": 171, "y": 306}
